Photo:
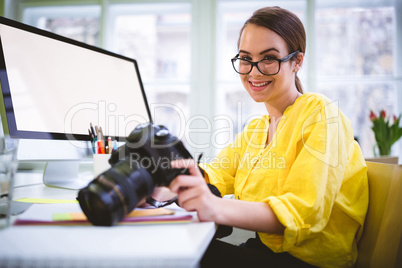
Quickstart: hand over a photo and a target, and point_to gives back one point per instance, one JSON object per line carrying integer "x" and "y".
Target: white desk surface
{"x": 159, "y": 245}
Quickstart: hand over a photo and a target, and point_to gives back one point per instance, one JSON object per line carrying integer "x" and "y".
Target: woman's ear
{"x": 299, "y": 61}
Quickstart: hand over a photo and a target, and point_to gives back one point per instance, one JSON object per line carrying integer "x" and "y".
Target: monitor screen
{"x": 53, "y": 87}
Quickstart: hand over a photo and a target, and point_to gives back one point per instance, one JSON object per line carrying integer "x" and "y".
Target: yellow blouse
{"x": 312, "y": 174}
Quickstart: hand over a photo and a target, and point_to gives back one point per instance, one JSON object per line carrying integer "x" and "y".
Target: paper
{"x": 80, "y": 216}
{"x": 47, "y": 201}
{"x": 71, "y": 214}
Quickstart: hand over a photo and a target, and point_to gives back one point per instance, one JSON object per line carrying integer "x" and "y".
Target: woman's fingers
{"x": 185, "y": 181}
{"x": 192, "y": 190}
{"x": 189, "y": 164}
{"x": 200, "y": 199}
{"x": 191, "y": 193}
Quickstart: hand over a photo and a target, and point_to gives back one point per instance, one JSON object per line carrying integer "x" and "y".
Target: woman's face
{"x": 256, "y": 43}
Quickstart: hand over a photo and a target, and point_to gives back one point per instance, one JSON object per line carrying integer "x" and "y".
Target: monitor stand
{"x": 65, "y": 174}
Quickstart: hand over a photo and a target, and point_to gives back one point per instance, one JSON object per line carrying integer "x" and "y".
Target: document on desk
{"x": 71, "y": 214}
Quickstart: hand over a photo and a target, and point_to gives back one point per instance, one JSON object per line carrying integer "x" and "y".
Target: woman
{"x": 298, "y": 177}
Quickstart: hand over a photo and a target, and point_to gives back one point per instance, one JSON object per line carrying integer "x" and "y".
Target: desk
{"x": 159, "y": 245}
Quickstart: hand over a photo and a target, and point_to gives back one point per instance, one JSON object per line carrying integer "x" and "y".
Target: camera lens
{"x": 114, "y": 193}
{"x": 95, "y": 207}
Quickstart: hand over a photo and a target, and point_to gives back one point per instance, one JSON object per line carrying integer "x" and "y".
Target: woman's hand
{"x": 162, "y": 194}
{"x": 193, "y": 192}
{"x": 194, "y": 195}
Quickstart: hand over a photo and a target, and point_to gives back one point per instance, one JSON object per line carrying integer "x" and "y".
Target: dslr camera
{"x": 138, "y": 166}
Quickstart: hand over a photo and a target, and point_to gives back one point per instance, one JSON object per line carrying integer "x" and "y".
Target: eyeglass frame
{"x": 255, "y": 63}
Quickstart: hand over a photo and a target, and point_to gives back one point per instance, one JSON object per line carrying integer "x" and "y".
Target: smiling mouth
{"x": 260, "y": 84}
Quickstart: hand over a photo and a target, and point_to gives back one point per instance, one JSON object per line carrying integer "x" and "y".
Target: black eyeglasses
{"x": 266, "y": 66}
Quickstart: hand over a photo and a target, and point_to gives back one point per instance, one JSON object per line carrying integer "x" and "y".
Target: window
{"x": 81, "y": 23}
{"x": 355, "y": 61}
{"x": 157, "y": 35}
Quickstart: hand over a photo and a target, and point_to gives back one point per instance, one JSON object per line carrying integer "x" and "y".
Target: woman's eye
{"x": 269, "y": 58}
{"x": 245, "y": 58}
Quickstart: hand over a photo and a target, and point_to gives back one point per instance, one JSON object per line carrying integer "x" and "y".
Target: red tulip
{"x": 383, "y": 114}
{"x": 372, "y": 116}
{"x": 385, "y": 133}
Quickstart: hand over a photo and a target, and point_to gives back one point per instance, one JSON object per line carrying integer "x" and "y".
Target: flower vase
{"x": 385, "y": 150}
{"x": 385, "y": 155}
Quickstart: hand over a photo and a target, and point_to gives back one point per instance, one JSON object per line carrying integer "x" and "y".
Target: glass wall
{"x": 157, "y": 35}
{"x": 355, "y": 61}
{"x": 81, "y": 23}
{"x": 351, "y": 54}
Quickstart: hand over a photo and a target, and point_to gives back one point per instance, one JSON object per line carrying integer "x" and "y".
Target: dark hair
{"x": 284, "y": 23}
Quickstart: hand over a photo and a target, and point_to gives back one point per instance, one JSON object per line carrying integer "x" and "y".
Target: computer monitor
{"x": 53, "y": 87}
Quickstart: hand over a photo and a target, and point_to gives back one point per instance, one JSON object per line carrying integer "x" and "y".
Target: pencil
{"x": 101, "y": 133}
{"x": 97, "y": 131}
{"x": 109, "y": 144}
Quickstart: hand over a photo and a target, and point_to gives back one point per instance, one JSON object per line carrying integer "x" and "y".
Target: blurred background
{"x": 184, "y": 48}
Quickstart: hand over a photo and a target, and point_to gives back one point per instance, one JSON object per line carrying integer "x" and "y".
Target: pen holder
{"x": 101, "y": 163}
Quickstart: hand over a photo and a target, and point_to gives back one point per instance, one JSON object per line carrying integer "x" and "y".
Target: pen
{"x": 95, "y": 143}
{"x": 101, "y": 146}
{"x": 109, "y": 144}
{"x": 91, "y": 135}
{"x": 97, "y": 131}
{"x": 115, "y": 145}
{"x": 92, "y": 130}
{"x": 96, "y": 147}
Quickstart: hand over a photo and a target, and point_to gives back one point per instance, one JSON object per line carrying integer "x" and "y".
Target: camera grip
{"x": 173, "y": 173}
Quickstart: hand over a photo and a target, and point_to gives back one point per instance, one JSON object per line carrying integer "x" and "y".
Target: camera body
{"x": 139, "y": 166}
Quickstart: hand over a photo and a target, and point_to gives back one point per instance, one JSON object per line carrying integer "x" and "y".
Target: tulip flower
{"x": 372, "y": 116}
{"x": 383, "y": 114}
{"x": 385, "y": 133}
